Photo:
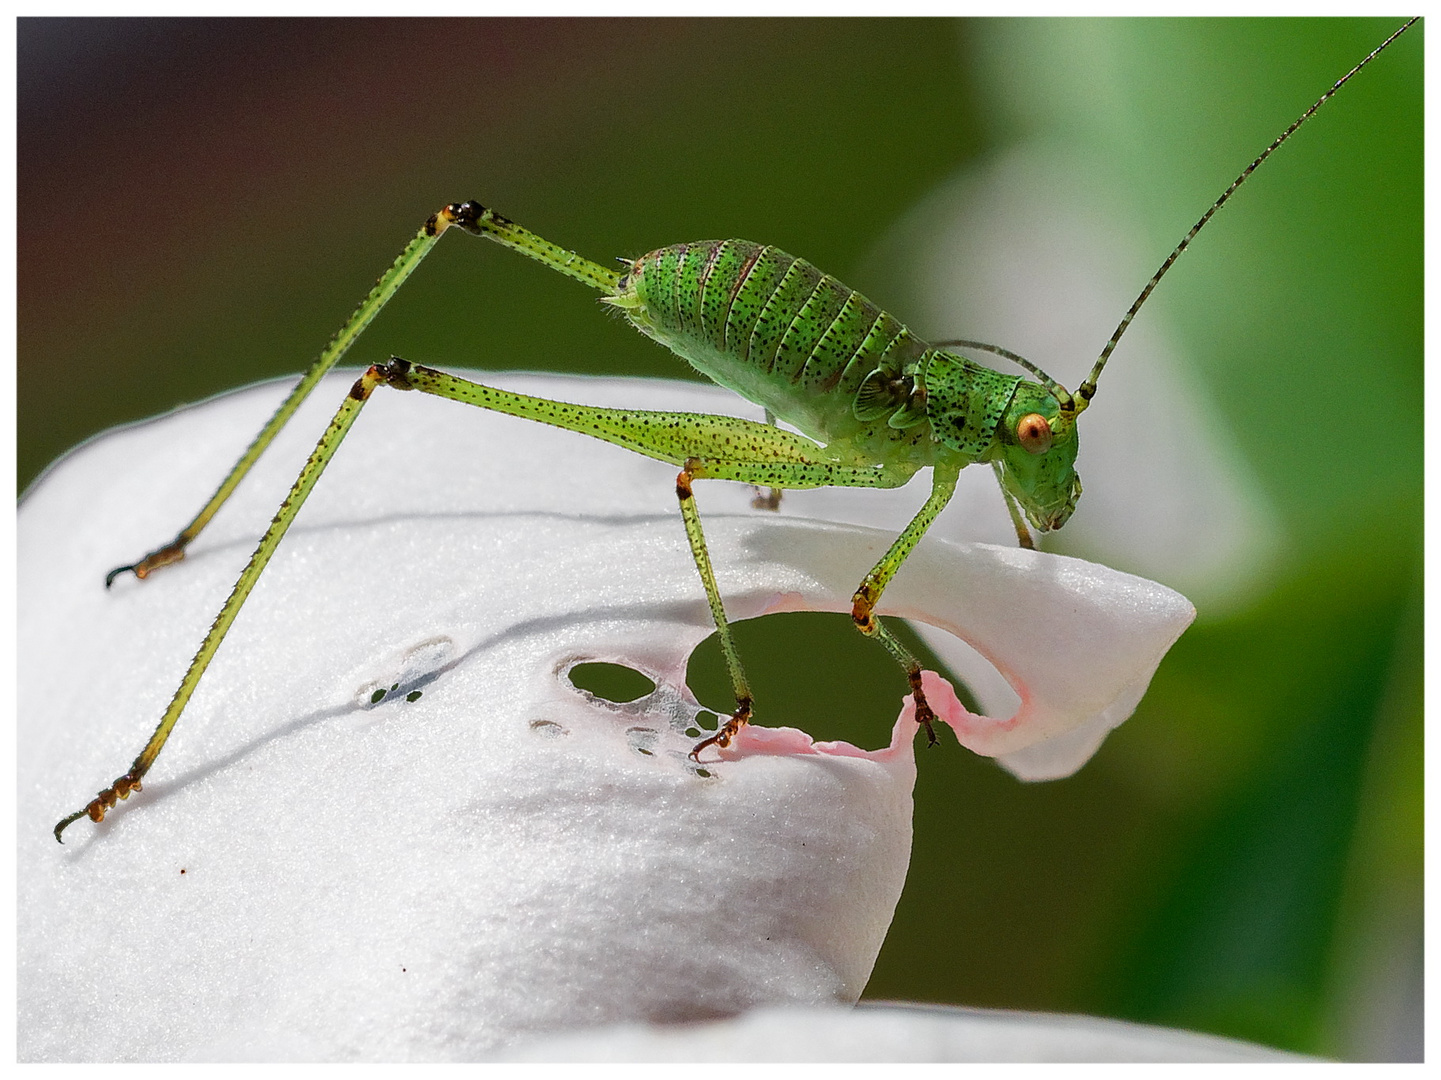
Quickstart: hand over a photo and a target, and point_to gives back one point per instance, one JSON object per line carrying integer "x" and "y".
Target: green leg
{"x": 483, "y": 221}
{"x": 728, "y": 447}
{"x": 469, "y": 216}
{"x": 701, "y": 555}
{"x": 384, "y": 289}
{"x": 304, "y": 483}
{"x": 1018, "y": 522}
{"x": 943, "y": 485}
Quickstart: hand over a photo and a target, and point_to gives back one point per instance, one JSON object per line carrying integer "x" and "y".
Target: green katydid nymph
{"x": 867, "y": 404}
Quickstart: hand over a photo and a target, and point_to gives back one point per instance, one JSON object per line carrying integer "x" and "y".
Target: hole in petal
{"x": 610, "y": 682}
{"x": 813, "y": 670}
{"x": 419, "y": 666}
{"x": 706, "y": 723}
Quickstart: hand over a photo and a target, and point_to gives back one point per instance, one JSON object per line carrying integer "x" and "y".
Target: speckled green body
{"x": 815, "y": 352}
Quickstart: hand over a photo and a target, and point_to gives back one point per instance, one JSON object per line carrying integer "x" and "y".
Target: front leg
{"x": 943, "y": 486}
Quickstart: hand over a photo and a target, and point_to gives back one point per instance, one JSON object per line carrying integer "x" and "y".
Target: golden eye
{"x": 1034, "y": 433}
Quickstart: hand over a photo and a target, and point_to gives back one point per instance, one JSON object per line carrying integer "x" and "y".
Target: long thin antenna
{"x": 1087, "y": 389}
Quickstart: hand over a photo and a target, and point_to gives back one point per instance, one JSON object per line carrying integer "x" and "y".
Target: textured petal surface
{"x": 311, "y": 875}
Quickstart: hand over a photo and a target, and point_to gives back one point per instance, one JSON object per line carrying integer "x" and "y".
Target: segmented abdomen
{"x": 769, "y": 326}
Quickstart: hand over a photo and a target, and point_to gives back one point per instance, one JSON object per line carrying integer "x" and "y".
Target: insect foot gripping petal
{"x": 728, "y": 731}
{"x": 924, "y": 714}
{"x": 863, "y": 605}
{"x": 172, "y": 552}
{"x": 106, "y": 800}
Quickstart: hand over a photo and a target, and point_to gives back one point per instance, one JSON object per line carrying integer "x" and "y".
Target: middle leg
{"x": 790, "y": 474}
{"x": 706, "y": 447}
{"x": 701, "y": 554}
{"x": 943, "y": 486}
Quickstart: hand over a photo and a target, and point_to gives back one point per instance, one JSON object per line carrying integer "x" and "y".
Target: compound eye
{"x": 1034, "y": 433}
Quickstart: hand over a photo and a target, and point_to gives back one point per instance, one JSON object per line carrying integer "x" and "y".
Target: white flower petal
{"x": 308, "y": 876}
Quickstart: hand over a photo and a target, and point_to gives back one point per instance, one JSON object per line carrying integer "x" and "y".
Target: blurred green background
{"x": 202, "y": 202}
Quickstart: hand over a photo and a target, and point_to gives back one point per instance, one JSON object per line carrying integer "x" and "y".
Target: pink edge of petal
{"x": 973, "y": 731}
{"x": 784, "y": 601}
{"x": 756, "y": 740}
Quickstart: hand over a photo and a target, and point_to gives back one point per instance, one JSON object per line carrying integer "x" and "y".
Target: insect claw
{"x": 721, "y": 738}
{"x": 109, "y": 580}
{"x": 162, "y": 556}
{"x": 726, "y": 732}
{"x": 924, "y": 714}
{"x": 924, "y": 717}
{"x": 64, "y": 823}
